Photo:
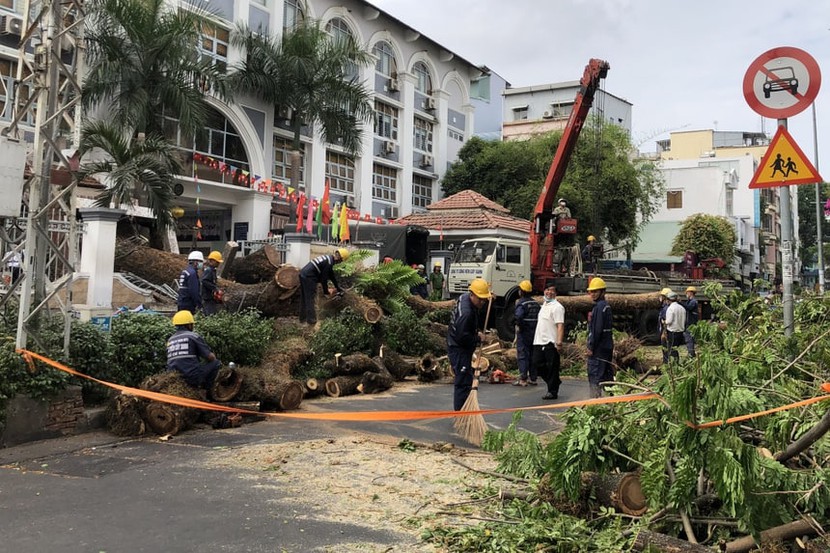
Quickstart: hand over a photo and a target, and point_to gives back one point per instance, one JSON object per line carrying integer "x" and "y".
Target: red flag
{"x": 326, "y": 206}
{"x": 300, "y": 206}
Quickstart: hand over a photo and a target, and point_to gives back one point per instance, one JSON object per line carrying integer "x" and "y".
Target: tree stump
{"x": 273, "y": 391}
{"x": 314, "y": 387}
{"x": 227, "y": 384}
{"x": 124, "y": 415}
{"x": 343, "y": 385}
{"x": 255, "y": 267}
{"x": 365, "y": 307}
{"x": 167, "y": 418}
{"x": 621, "y": 491}
{"x": 428, "y": 370}
{"x": 354, "y": 364}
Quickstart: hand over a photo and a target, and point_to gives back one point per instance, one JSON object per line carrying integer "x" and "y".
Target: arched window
{"x": 386, "y": 64}
{"x": 423, "y": 82}
{"x": 293, "y": 13}
{"x": 340, "y": 30}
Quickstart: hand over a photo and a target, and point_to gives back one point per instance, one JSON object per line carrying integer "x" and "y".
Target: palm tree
{"x": 312, "y": 74}
{"x": 144, "y": 61}
{"x": 137, "y": 167}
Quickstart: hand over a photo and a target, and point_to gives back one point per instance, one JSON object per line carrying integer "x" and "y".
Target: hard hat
{"x": 665, "y": 291}
{"x": 672, "y": 295}
{"x": 480, "y": 288}
{"x": 344, "y": 253}
{"x": 596, "y": 284}
{"x": 438, "y": 265}
{"x": 591, "y": 238}
{"x": 421, "y": 266}
{"x": 183, "y": 318}
{"x": 691, "y": 289}
{"x": 526, "y": 286}
{"x": 562, "y": 201}
{"x": 216, "y": 256}
{"x": 195, "y": 255}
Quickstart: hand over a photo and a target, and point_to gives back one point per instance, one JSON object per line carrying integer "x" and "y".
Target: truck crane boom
{"x": 541, "y": 232}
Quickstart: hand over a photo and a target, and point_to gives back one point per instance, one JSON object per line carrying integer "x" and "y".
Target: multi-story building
{"x": 534, "y": 110}
{"x": 423, "y": 115}
{"x": 488, "y": 99}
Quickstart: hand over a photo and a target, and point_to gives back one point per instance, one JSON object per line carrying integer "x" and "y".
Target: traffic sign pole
{"x": 786, "y": 253}
{"x": 819, "y": 210}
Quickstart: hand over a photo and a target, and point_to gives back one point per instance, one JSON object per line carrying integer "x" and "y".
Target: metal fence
{"x": 247, "y": 247}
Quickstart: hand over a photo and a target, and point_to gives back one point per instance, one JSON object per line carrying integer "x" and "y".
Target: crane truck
{"x": 504, "y": 262}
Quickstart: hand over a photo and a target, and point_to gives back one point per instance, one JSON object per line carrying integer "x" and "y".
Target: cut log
{"x": 438, "y": 328}
{"x": 778, "y": 534}
{"x": 481, "y": 363}
{"x": 421, "y": 306}
{"x": 428, "y": 370}
{"x": 621, "y": 491}
{"x": 342, "y": 385}
{"x": 374, "y": 382}
{"x": 273, "y": 391}
{"x": 661, "y": 543}
{"x": 228, "y": 256}
{"x": 286, "y": 356}
{"x": 167, "y": 418}
{"x": 227, "y": 384}
{"x": 396, "y": 364}
{"x": 354, "y": 364}
{"x": 314, "y": 387}
{"x": 287, "y": 277}
{"x": 366, "y": 308}
{"x": 124, "y": 415}
{"x": 255, "y": 267}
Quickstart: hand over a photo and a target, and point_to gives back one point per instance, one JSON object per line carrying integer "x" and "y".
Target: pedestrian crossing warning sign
{"x": 784, "y": 164}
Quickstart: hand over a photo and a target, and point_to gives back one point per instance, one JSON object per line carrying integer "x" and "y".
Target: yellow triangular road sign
{"x": 784, "y": 164}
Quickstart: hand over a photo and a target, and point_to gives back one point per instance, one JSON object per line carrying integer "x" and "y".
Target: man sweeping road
{"x": 463, "y": 336}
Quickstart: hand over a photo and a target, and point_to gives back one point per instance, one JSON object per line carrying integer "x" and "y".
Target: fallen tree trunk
{"x": 228, "y": 256}
{"x": 363, "y": 306}
{"x": 166, "y": 418}
{"x": 806, "y": 440}
{"x": 343, "y": 385}
{"x": 374, "y": 382}
{"x": 621, "y": 491}
{"x": 421, "y": 306}
{"x": 397, "y": 366}
{"x": 226, "y": 385}
{"x": 124, "y": 415}
{"x": 781, "y": 533}
{"x": 284, "y": 357}
{"x": 258, "y": 266}
{"x": 354, "y": 364}
{"x": 314, "y": 387}
{"x": 287, "y": 277}
{"x": 273, "y": 391}
{"x": 647, "y": 540}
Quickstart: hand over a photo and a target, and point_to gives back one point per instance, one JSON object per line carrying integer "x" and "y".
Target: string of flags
{"x": 310, "y": 212}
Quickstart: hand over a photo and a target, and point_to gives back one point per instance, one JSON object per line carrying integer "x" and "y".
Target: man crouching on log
{"x": 185, "y": 348}
{"x": 318, "y": 271}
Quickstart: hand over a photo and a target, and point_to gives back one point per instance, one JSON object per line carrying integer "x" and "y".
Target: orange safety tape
{"x": 358, "y": 416}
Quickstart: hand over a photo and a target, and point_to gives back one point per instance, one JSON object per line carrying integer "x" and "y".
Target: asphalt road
{"x": 98, "y": 493}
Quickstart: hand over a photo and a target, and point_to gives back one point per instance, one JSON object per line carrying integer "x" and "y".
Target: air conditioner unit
{"x": 286, "y": 113}
{"x": 11, "y": 25}
{"x": 394, "y": 85}
{"x": 426, "y": 161}
{"x": 388, "y": 147}
{"x": 430, "y": 103}
{"x": 547, "y": 115}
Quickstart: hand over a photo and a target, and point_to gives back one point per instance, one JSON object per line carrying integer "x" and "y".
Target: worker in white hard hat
{"x": 319, "y": 270}
{"x": 562, "y": 211}
{"x": 190, "y": 289}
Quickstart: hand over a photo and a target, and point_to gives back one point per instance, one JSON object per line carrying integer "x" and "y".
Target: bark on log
{"x": 397, "y": 366}
{"x": 274, "y": 391}
{"x": 421, "y": 306}
{"x": 228, "y": 256}
{"x": 343, "y": 385}
{"x": 167, "y": 418}
{"x": 265, "y": 297}
{"x": 779, "y": 533}
{"x": 374, "y": 382}
{"x": 428, "y": 370}
{"x": 124, "y": 415}
{"x": 620, "y": 491}
{"x": 314, "y": 387}
{"x": 438, "y": 328}
{"x": 284, "y": 357}
{"x": 255, "y": 267}
{"x": 366, "y": 308}
{"x": 227, "y": 384}
{"x": 661, "y": 543}
{"x": 354, "y": 364}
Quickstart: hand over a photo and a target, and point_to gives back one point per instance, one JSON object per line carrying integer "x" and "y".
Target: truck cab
{"x": 503, "y": 262}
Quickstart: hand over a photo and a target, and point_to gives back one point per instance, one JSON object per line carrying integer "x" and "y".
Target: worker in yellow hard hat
{"x": 526, "y": 314}
{"x": 189, "y": 354}
{"x": 692, "y": 316}
{"x": 463, "y": 336}
{"x": 212, "y": 295}
{"x": 588, "y": 256}
{"x": 319, "y": 270}
{"x": 600, "y": 338}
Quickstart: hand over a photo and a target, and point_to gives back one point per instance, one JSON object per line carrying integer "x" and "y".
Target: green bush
{"x": 138, "y": 344}
{"x": 442, "y": 316}
{"x": 91, "y": 352}
{"x": 405, "y": 333}
{"x": 346, "y": 333}
{"x": 238, "y": 337}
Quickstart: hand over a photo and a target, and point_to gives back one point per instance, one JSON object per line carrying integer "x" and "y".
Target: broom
{"x": 473, "y": 427}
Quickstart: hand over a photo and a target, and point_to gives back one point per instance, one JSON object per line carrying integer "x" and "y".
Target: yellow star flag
{"x": 344, "y": 224}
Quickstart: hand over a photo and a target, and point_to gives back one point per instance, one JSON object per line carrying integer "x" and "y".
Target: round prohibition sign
{"x": 782, "y": 82}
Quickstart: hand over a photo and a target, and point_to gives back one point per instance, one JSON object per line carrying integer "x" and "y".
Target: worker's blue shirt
{"x": 691, "y": 312}
{"x": 321, "y": 269}
{"x": 209, "y": 283}
{"x": 190, "y": 296}
{"x": 527, "y": 316}
{"x": 600, "y": 326}
{"x": 185, "y": 348}
{"x": 663, "y": 310}
{"x": 463, "y": 329}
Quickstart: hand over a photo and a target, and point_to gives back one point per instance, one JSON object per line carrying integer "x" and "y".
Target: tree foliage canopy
{"x": 607, "y": 189}
{"x": 706, "y": 235}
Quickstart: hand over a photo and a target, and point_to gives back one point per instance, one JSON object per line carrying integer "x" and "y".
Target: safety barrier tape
{"x": 386, "y": 416}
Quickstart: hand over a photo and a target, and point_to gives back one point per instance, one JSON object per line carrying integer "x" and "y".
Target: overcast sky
{"x": 680, "y": 63}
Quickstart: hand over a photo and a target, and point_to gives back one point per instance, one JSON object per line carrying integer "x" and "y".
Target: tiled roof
{"x": 467, "y": 199}
{"x": 466, "y": 220}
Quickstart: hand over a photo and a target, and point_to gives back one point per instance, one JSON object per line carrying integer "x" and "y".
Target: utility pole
{"x": 49, "y": 64}
{"x": 819, "y": 210}
{"x": 786, "y": 252}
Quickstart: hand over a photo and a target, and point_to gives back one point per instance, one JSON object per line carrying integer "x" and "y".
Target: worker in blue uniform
{"x": 600, "y": 338}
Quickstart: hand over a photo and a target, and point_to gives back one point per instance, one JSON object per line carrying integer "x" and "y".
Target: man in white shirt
{"x": 14, "y": 262}
{"x": 550, "y": 332}
{"x": 675, "y": 325}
